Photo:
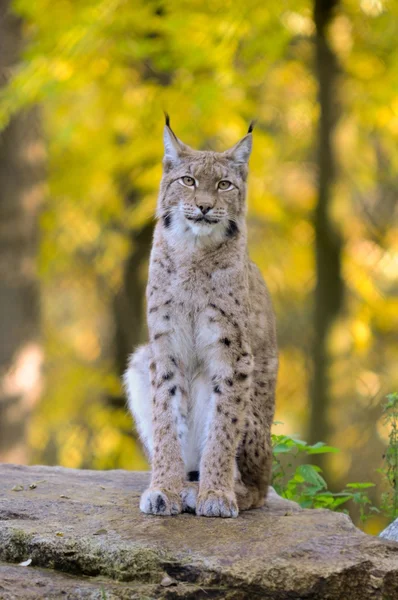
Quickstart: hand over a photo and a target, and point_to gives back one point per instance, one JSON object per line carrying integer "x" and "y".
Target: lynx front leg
{"x": 166, "y": 493}
{"x": 230, "y": 365}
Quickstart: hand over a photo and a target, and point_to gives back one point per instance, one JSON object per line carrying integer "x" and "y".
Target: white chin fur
{"x": 202, "y": 228}
{"x": 185, "y": 234}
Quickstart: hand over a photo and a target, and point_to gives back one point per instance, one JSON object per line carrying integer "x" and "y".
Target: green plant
{"x": 389, "y": 499}
{"x": 304, "y": 483}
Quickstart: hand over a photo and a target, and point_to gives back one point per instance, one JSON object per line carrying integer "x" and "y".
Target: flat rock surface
{"x": 86, "y": 538}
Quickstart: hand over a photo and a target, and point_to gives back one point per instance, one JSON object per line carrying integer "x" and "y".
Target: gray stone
{"x": 390, "y": 532}
{"x": 87, "y": 539}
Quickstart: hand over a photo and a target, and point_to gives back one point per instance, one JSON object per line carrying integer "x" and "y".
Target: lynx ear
{"x": 240, "y": 153}
{"x": 173, "y": 147}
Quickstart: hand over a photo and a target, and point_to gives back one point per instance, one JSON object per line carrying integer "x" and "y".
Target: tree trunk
{"x": 21, "y": 177}
{"x": 129, "y": 305}
{"x": 329, "y": 285}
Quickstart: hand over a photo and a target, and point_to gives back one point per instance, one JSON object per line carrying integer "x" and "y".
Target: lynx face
{"x": 203, "y": 192}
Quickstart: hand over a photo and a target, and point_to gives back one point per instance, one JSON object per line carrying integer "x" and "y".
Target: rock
{"x": 31, "y": 584}
{"x": 281, "y": 552}
{"x": 391, "y": 532}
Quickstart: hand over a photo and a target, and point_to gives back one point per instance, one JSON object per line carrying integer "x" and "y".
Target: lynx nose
{"x": 204, "y": 208}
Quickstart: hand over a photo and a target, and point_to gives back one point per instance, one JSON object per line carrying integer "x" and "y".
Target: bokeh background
{"x": 82, "y": 88}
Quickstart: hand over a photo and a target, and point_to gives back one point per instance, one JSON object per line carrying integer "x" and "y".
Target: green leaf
{"x": 321, "y": 449}
{"x": 360, "y": 486}
{"x": 339, "y": 501}
{"x": 281, "y": 449}
{"x": 311, "y": 476}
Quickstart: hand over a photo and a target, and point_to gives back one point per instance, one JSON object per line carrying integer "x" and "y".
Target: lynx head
{"x": 202, "y": 193}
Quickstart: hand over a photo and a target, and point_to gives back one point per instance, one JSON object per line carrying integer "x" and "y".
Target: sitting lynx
{"x": 202, "y": 390}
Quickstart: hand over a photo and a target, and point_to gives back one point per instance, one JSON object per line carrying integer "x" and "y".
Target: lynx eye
{"x": 188, "y": 181}
{"x": 225, "y": 185}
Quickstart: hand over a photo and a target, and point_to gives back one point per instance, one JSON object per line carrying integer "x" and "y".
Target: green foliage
{"x": 304, "y": 483}
{"x": 389, "y": 500}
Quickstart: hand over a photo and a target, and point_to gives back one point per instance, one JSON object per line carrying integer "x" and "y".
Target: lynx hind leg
{"x": 255, "y": 452}
{"x": 138, "y": 388}
{"x": 254, "y": 476}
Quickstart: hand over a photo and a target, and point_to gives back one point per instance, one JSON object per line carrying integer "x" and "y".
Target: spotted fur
{"x": 202, "y": 389}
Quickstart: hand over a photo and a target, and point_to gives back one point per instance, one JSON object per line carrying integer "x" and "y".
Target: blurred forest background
{"x": 82, "y": 89}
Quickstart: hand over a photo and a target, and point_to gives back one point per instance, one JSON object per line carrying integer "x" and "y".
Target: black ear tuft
{"x": 167, "y": 117}
{"x": 251, "y": 126}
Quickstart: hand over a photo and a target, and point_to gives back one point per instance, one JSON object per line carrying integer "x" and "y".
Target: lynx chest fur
{"x": 202, "y": 390}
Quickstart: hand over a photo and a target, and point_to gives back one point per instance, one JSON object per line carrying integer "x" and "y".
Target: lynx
{"x": 202, "y": 390}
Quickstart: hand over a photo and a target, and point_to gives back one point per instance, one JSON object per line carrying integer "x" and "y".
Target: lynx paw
{"x": 160, "y": 502}
{"x": 248, "y": 498}
{"x": 214, "y": 503}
